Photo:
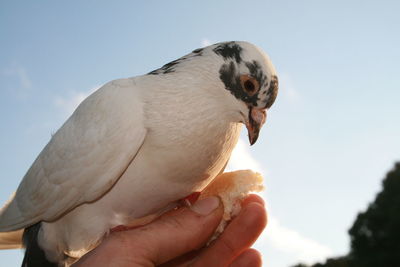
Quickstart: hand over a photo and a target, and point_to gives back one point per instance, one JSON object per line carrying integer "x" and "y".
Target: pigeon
{"x": 136, "y": 146}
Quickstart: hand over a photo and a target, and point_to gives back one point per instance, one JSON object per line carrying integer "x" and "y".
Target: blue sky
{"x": 330, "y": 138}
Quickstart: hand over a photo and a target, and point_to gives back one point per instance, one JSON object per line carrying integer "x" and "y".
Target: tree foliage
{"x": 333, "y": 262}
{"x": 375, "y": 235}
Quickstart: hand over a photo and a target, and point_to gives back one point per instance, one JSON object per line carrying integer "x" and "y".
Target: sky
{"x": 330, "y": 138}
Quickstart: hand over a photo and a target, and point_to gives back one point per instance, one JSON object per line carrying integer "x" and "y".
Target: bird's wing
{"x": 83, "y": 159}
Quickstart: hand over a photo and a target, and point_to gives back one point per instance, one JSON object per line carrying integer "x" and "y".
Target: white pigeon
{"x": 136, "y": 146}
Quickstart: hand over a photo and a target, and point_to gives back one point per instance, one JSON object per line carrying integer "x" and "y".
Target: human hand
{"x": 178, "y": 239}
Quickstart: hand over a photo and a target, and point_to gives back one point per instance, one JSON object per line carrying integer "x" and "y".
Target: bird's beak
{"x": 256, "y": 120}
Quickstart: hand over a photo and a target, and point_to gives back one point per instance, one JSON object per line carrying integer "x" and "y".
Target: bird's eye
{"x": 249, "y": 84}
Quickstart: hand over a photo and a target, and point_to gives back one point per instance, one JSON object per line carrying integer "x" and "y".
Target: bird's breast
{"x": 169, "y": 168}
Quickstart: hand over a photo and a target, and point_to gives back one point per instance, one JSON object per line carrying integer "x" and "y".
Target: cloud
{"x": 21, "y": 74}
{"x": 287, "y": 89}
{"x": 23, "y": 78}
{"x": 19, "y": 80}
{"x": 298, "y": 247}
{"x": 205, "y": 42}
{"x": 70, "y": 103}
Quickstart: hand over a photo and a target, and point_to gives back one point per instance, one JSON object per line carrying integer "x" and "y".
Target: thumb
{"x": 178, "y": 232}
{"x": 170, "y": 236}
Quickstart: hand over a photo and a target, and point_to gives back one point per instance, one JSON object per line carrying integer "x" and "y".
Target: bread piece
{"x": 232, "y": 188}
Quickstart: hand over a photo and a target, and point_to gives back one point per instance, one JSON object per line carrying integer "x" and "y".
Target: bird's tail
{"x": 11, "y": 240}
{"x": 34, "y": 255}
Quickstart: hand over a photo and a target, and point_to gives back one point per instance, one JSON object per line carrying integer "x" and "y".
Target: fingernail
{"x": 206, "y": 206}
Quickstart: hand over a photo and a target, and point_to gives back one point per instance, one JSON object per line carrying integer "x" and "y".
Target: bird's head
{"x": 247, "y": 72}
{"x": 243, "y": 70}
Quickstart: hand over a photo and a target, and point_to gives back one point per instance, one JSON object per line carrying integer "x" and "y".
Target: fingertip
{"x": 253, "y": 198}
{"x": 249, "y": 257}
{"x": 239, "y": 235}
{"x": 254, "y": 214}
